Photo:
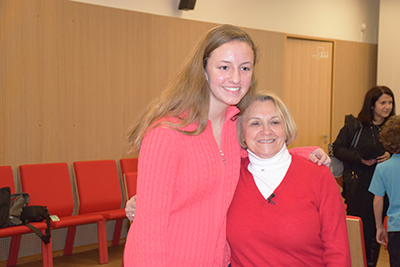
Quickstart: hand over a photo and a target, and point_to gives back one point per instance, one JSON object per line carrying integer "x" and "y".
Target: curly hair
{"x": 390, "y": 135}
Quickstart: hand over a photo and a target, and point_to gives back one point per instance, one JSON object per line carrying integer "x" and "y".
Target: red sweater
{"x": 306, "y": 225}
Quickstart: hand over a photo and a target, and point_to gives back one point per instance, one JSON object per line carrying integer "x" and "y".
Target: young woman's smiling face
{"x": 229, "y": 71}
{"x": 263, "y": 130}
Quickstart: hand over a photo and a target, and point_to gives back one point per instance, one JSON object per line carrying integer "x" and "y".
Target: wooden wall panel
{"x": 74, "y": 76}
{"x": 81, "y": 73}
{"x": 79, "y": 76}
{"x": 270, "y": 67}
{"x": 355, "y": 74}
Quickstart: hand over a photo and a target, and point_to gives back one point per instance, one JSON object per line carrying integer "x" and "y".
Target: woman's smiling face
{"x": 383, "y": 107}
{"x": 263, "y": 130}
{"x": 229, "y": 71}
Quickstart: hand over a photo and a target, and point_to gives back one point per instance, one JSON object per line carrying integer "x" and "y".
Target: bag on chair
{"x": 18, "y": 202}
{"x": 5, "y": 198}
{"x": 14, "y": 211}
{"x": 37, "y": 214}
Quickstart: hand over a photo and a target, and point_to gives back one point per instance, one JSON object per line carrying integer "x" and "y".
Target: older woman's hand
{"x": 320, "y": 157}
{"x": 130, "y": 208}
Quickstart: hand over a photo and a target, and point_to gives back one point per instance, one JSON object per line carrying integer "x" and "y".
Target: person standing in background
{"x": 386, "y": 179}
{"x": 360, "y": 162}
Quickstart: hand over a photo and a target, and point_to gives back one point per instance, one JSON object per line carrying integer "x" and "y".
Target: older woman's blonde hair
{"x": 188, "y": 91}
{"x": 281, "y": 110}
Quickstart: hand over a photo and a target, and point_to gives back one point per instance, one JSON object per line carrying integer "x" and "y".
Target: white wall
{"x": 337, "y": 19}
{"x": 389, "y": 47}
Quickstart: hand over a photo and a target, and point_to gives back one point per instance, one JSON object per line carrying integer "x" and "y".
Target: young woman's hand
{"x": 320, "y": 157}
{"x": 130, "y": 208}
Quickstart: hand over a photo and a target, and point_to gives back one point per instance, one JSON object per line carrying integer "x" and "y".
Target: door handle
{"x": 326, "y": 136}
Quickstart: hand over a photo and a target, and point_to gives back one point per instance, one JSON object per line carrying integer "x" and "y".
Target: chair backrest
{"x": 356, "y": 241}
{"x": 48, "y": 184}
{"x": 7, "y": 178}
{"x": 128, "y": 165}
{"x": 130, "y": 181}
{"x": 98, "y": 186}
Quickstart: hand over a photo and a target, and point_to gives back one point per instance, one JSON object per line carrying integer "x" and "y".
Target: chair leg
{"x": 14, "y": 249}
{"x": 69, "y": 242}
{"x": 47, "y": 253}
{"x": 122, "y": 263}
{"x": 117, "y": 232}
{"x": 102, "y": 236}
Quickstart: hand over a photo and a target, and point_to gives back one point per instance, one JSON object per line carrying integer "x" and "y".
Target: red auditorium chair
{"x": 128, "y": 165}
{"x": 15, "y": 232}
{"x": 99, "y": 192}
{"x": 130, "y": 181}
{"x": 49, "y": 184}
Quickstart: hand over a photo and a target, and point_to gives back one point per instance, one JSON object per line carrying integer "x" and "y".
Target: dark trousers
{"x": 394, "y": 248}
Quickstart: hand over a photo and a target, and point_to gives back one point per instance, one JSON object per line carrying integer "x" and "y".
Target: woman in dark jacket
{"x": 360, "y": 162}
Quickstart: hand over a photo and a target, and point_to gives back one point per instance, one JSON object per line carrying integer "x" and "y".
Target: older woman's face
{"x": 263, "y": 130}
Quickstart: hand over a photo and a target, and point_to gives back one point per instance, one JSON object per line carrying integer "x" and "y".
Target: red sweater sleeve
{"x": 333, "y": 222}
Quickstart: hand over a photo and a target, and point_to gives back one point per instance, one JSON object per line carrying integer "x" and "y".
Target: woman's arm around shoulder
{"x": 315, "y": 154}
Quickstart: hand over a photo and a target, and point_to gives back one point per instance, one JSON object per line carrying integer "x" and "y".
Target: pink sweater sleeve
{"x": 303, "y": 152}
{"x": 147, "y": 240}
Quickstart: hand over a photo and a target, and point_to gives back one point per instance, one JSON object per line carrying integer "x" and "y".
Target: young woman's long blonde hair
{"x": 189, "y": 91}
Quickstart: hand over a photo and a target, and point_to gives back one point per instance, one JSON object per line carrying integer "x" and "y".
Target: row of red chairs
{"x": 99, "y": 196}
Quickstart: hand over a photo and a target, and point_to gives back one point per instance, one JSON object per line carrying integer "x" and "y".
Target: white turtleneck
{"x": 269, "y": 173}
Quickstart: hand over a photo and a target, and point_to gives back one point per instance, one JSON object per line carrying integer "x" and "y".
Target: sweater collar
{"x": 257, "y": 164}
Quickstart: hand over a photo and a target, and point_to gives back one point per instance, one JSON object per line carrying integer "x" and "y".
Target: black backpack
{"x": 14, "y": 211}
{"x": 5, "y": 199}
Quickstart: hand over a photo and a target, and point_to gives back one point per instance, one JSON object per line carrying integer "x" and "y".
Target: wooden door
{"x": 307, "y": 89}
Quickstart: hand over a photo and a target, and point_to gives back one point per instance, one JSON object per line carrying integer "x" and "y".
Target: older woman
{"x": 286, "y": 211}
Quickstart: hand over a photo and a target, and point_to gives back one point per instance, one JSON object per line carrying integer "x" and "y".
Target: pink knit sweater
{"x": 185, "y": 186}
{"x": 184, "y": 190}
